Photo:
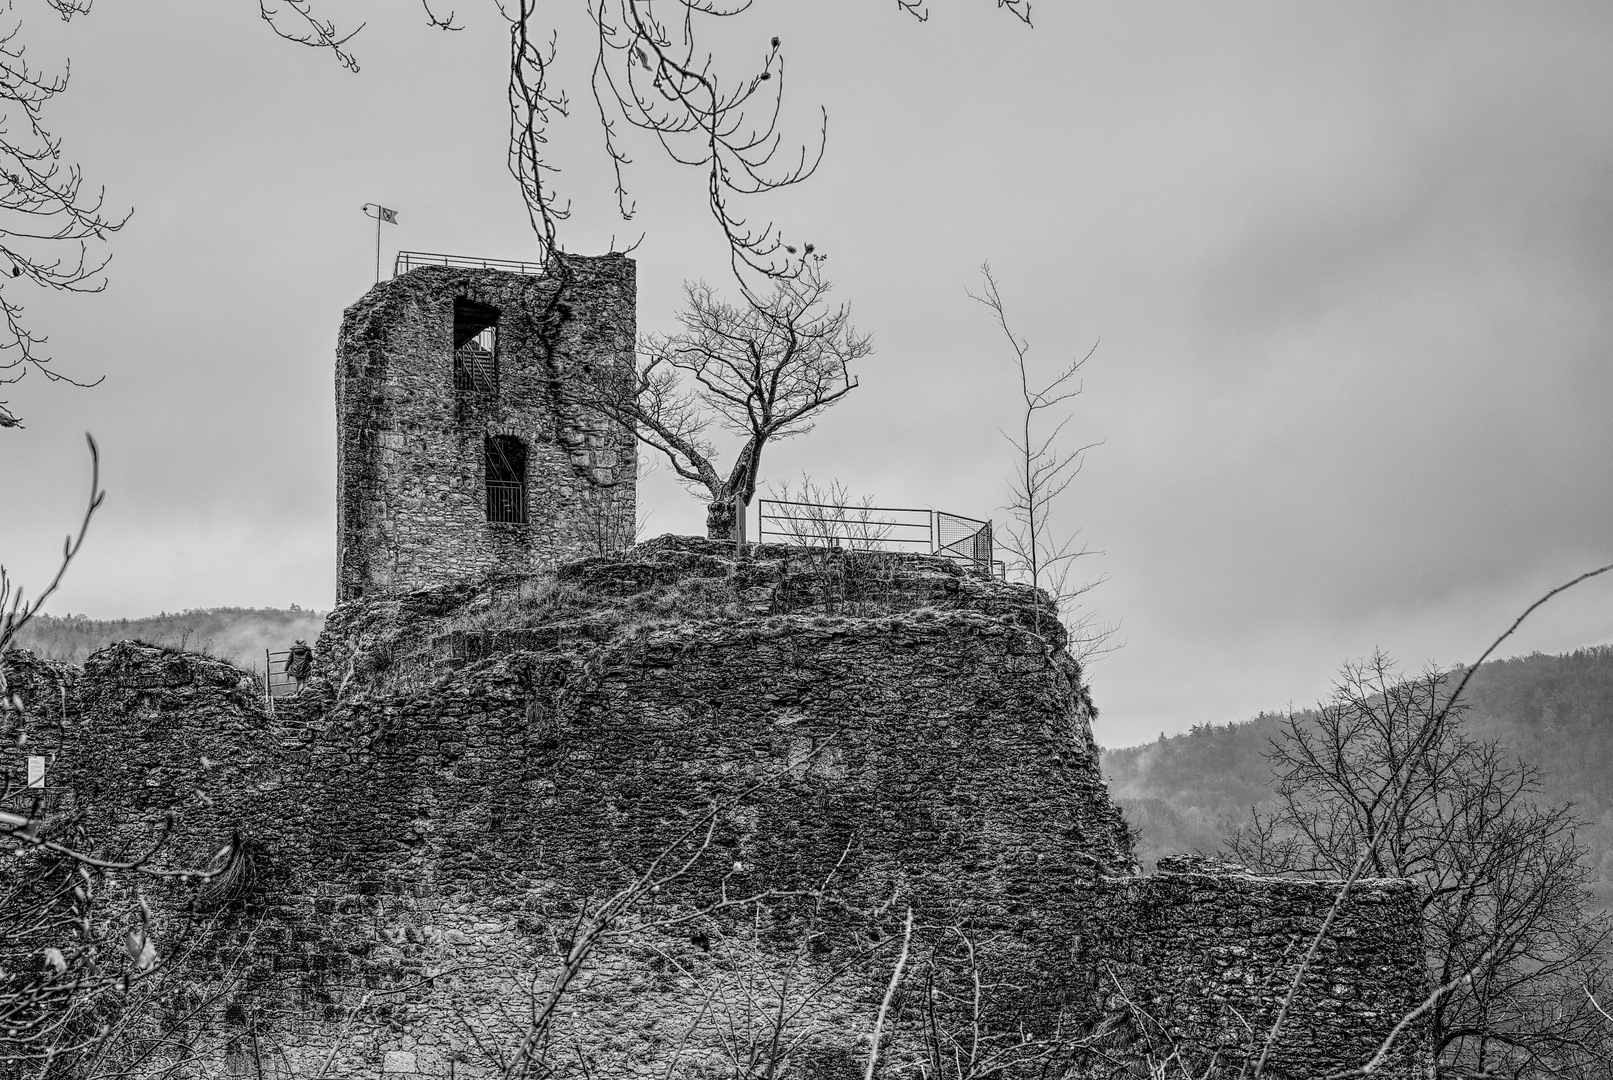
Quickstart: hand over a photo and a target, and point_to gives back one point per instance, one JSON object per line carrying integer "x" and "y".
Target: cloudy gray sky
{"x": 1349, "y": 266}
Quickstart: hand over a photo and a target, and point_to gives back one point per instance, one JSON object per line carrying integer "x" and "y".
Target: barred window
{"x": 506, "y": 479}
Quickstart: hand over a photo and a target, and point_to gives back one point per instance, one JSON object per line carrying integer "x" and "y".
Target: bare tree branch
{"x": 15, "y": 611}
{"x": 48, "y": 220}
{"x": 1384, "y": 781}
{"x": 890, "y": 992}
{"x": 657, "y": 74}
{"x": 1043, "y": 472}
{"x": 761, "y": 370}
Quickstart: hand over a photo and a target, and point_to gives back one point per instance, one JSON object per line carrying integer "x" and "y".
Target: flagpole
{"x": 382, "y": 214}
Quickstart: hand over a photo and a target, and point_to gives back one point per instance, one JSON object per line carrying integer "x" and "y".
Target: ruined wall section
{"x": 424, "y": 841}
{"x": 1198, "y": 959}
{"x": 145, "y": 738}
{"x": 411, "y": 506}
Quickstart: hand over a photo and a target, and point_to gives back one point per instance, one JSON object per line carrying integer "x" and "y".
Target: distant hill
{"x": 239, "y": 635}
{"x": 1188, "y": 792}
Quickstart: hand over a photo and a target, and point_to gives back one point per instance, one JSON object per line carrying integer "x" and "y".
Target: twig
{"x": 890, "y": 992}
{"x": 15, "y": 619}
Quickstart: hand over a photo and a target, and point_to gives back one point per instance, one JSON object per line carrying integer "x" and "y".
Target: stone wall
{"x": 1196, "y": 962}
{"x": 411, "y": 504}
{"x": 431, "y": 823}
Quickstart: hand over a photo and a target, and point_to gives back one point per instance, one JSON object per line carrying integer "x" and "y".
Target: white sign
{"x": 36, "y": 771}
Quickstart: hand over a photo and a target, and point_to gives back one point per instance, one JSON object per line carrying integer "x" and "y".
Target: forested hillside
{"x": 239, "y": 635}
{"x": 1188, "y": 792}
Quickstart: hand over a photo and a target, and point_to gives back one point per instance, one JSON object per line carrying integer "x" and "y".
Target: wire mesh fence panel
{"x": 959, "y": 537}
{"x": 873, "y": 528}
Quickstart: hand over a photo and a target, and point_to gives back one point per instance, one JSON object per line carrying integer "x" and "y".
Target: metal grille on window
{"x": 506, "y": 480}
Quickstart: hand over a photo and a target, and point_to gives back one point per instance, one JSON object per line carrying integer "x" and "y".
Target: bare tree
{"x": 15, "y": 608}
{"x": 1384, "y": 782}
{"x": 1044, "y": 554}
{"x": 763, "y": 370}
{"x": 654, "y": 73}
{"x": 48, "y": 220}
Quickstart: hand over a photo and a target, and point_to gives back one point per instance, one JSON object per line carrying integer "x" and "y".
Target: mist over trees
{"x": 239, "y": 635}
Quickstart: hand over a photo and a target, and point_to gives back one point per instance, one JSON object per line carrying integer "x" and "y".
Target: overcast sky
{"x": 1349, "y": 267}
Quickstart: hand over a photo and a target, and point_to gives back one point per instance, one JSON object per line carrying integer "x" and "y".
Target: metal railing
{"x": 882, "y": 528}
{"x": 878, "y": 528}
{"x": 506, "y": 502}
{"x": 411, "y": 260}
{"x": 276, "y": 683}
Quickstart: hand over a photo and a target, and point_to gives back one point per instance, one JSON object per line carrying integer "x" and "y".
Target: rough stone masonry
{"x": 478, "y": 766}
{"x": 858, "y": 790}
{"x": 461, "y": 445}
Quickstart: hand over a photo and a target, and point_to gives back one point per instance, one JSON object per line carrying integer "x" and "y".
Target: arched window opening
{"x": 506, "y": 479}
{"x": 475, "y": 347}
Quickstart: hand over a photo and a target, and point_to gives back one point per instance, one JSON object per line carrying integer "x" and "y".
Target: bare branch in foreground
{"x": 1387, "y": 810}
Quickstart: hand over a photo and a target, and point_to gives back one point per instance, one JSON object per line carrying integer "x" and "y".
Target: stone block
{"x": 398, "y": 1062}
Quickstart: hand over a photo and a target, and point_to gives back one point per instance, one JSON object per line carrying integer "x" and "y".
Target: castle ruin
{"x": 869, "y": 779}
{"x": 461, "y": 446}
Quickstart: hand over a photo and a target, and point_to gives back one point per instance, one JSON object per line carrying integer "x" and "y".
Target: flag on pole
{"x": 381, "y": 214}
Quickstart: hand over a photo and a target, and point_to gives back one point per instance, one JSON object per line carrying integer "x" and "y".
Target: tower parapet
{"x": 462, "y": 447}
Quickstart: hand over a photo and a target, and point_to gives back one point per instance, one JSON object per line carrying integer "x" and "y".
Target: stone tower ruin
{"x": 463, "y": 445}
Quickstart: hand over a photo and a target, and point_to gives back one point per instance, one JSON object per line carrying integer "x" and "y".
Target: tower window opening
{"x": 506, "y": 479}
{"x": 475, "y": 347}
